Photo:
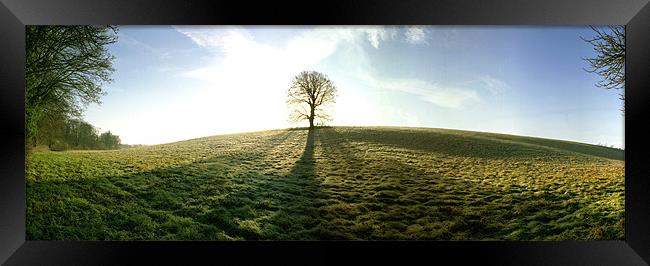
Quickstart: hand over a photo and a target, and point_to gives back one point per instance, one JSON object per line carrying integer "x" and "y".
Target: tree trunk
{"x": 311, "y": 118}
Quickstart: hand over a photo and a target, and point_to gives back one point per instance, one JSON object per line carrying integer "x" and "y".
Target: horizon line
{"x": 375, "y": 126}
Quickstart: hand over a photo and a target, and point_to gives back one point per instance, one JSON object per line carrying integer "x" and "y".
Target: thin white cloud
{"x": 442, "y": 96}
{"x": 494, "y": 85}
{"x": 446, "y": 97}
{"x": 158, "y": 52}
{"x": 163, "y": 68}
{"x": 376, "y": 35}
{"x": 224, "y": 38}
{"x": 114, "y": 89}
{"x": 447, "y": 37}
{"x": 416, "y": 35}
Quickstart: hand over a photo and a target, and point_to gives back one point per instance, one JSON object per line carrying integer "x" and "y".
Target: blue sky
{"x": 180, "y": 82}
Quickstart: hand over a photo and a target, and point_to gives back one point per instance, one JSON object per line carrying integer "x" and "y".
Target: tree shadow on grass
{"x": 380, "y": 197}
{"x": 276, "y": 207}
{"x": 298, "y": 198}
{"x": 223, "y": 197}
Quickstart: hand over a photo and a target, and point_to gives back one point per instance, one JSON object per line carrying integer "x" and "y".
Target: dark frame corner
{"x": 635, "y": 14}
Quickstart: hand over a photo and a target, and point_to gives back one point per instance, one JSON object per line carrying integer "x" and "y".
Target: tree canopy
{"x": 66, "y": 67}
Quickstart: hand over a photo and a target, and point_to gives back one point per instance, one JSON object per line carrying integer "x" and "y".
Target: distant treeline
{"x": 74, "y": 133}
{"x": 126, "y": 146}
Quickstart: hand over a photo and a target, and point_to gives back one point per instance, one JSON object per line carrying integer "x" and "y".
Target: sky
{"x": 174, "y": 83}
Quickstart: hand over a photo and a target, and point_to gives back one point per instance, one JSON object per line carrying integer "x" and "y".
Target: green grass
{"x": 331, "y": 183}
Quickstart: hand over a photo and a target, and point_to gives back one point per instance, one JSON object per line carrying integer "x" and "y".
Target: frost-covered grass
{"x": 331, "y": 183}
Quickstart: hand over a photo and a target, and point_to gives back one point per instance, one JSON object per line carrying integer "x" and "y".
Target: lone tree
{"x": 609, "y": 62}
{"x": 309, "y": 93}
{"x": 65, "y": 68}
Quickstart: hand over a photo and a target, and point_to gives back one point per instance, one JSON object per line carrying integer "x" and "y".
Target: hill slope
{"x": 331, "y": 183}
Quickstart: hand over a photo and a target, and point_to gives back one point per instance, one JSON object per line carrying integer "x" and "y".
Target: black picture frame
{"x": 635, "y": 14}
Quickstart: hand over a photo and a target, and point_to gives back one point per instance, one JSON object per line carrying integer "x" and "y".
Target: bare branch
{"x": 609, "y": 62}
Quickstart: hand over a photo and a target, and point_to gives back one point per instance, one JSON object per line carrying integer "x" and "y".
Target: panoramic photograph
{"x": 325, "y": 132}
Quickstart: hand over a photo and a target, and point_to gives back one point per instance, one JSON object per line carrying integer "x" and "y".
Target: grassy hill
{"x": 331, "y": 183}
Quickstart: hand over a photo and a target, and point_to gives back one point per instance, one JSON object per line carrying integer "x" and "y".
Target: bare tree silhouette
{"x": 310, "y": 91}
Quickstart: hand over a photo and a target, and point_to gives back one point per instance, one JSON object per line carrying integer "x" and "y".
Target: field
{"x": 331, "y": 183}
